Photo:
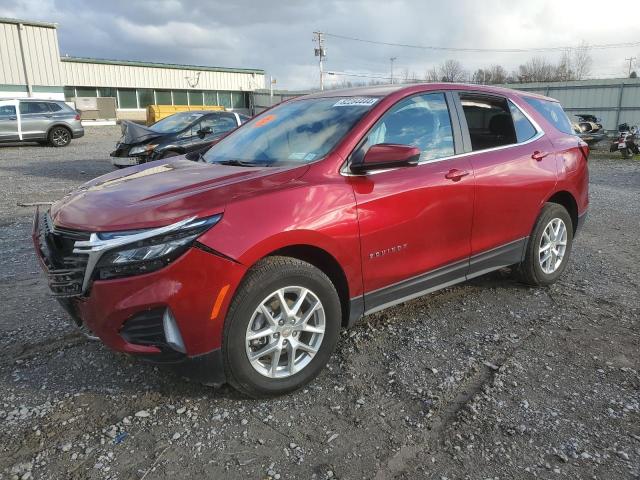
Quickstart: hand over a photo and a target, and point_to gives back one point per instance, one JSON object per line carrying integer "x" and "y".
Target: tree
{"x": 493, "y": 75}
{"x": 452, "y": 71}
{"x": 431, "y": 75}
{"x": 537, "y": 70}
{"x": 581, "y": 61}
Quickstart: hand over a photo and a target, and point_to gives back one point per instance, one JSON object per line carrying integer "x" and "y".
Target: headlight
{"x": 147, "y": 252}
{"x": 142, "y": 149}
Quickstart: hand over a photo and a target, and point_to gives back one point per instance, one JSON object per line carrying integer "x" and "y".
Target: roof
{"x": 385, "y": 90}
{"x": 175, "y": 66}
{"x": 16, "y": 21}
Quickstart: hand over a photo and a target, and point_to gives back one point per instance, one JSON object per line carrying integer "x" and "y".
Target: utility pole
{"x": 630, "y": 60}
{"x": 391, "y": 60}
{"x": 321, "y": 53}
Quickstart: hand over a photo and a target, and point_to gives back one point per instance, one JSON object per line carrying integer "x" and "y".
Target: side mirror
{"x": 387, "y": 155}
{"x": 205, "y": 131}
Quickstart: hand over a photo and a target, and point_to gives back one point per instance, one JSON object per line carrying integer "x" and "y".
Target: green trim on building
{"x": 13, "y": 88}
{"x": 35, "y": 88}
{"x": 16, "y": 21}
{"x": 45, "y": 89}
{"x": 174, "y": 66}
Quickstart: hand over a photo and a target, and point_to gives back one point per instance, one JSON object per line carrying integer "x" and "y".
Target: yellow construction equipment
{"x": 158, "y": 112}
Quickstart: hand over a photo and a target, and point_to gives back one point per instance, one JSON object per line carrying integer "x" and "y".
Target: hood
{"x": 136, "y": 133}
{"x": 162, "y": 192}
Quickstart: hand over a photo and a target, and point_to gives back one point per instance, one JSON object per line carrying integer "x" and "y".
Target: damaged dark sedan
{"x": 177, "y": 134}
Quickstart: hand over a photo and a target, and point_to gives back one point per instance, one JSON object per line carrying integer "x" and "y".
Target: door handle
{"x": 538, "y": 156}
{"x": 455, "y": 174}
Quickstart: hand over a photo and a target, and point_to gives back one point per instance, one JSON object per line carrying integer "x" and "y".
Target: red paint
{"x": 380, "y": 228}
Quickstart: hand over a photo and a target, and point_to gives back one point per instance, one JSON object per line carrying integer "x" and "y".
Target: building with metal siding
{"x": 32, "y": 66}
{"x": 615, "y": 101}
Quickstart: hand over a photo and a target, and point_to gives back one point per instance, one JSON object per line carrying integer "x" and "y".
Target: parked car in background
{"x": 48, "y": 122}
{"x": 174, "y": 135}
{"x": 588, "y": 127}
{"x": 243, "y": 267}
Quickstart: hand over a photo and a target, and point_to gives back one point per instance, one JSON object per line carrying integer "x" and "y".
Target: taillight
{"x": 77, "y": 117}
{"x": 585, "y": 150}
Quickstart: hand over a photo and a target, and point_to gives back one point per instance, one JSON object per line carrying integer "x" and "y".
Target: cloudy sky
{"x": 277, "y": 36}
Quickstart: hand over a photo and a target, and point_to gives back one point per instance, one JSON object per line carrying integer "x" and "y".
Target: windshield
{"x": 297, "y": 132}
{"x": 176, "y": 122}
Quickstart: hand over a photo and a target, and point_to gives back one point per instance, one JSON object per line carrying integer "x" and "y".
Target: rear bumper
{"x": 77, "y": 132}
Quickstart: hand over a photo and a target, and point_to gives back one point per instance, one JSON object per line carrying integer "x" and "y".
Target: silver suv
{"x": 49, "y": 122}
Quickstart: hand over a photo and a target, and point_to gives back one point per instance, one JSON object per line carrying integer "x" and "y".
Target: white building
{"x": 31, "y": 66}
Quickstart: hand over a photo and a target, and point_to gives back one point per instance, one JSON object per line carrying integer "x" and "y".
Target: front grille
{"x": 65, "y": 268}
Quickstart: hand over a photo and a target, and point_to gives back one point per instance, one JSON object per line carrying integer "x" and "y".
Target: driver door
{"x": 415, "y": 222}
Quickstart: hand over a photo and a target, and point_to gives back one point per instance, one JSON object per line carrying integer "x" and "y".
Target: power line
{"x": 486, "y": 50}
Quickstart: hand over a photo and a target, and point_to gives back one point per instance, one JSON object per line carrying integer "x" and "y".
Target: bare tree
{"x": 581, "y": 61}
{"x": 452, "y": 71}
{"x": 432, "y": 75}
{"x": 537, "y": 70}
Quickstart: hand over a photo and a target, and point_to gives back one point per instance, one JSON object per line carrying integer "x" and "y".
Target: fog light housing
{"x": 172, "y": 332}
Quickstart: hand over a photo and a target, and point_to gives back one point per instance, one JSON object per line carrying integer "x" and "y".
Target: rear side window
{"x": 7, "y": 111}
{"x": 34, "y": 107}
{"x": 55, "y": 107}
{"x": 553, "y": 113}
{"x": 489, "y": 121}
{"x": 524, "y": 128}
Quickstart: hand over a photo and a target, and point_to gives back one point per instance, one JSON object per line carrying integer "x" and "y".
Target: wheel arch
{"x": 326, "y": 263}
{"x": 55, "y": 125}
{"x": 568, "y": 201}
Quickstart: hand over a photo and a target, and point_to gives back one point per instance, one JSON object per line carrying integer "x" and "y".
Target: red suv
{"x": 243, "y": 267}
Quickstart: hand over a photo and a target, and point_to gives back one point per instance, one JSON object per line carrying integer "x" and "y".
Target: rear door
{"x": 9, "y": 130}
{"x": 515, "y": 171}
{"x": 36, "y": 118}
{"x": 415, "y": 222}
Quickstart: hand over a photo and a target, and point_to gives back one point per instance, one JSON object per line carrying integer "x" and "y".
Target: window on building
{"x": 145, "y": 97}
{"x": 421, "y": 121}
{"x": 239, "y": 100}
{"x": 86, "y": 92}
{"x": 489, "y": 121}
{"x": 106, "y": 92}
{"x": 69, "y": 93}
{"x": 225, "y": 99}
{"x": 163, "y": 97}
{"x": 127, "y": 98}
{"x": 211, "y": 98}
{"x": 180, "y": 97}
{"x": 195, "y": 97}
{"x": 524, "y": 128}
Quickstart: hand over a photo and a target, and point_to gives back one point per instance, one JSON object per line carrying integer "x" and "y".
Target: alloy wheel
{"x": 553, "y": 245}
{"x": 285, "y": 332}
{"x": 60, "y": 137}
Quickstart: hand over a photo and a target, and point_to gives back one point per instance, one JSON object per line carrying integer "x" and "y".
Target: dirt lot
{"x": 489, "y": 379}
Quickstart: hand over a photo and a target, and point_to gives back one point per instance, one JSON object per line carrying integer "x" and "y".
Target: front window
{"x": 176, "y": 122}
{"x": 295, "y": 132}
{"x": 420, "y": 121}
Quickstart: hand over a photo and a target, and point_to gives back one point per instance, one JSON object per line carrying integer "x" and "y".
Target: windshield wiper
{"x": 240, "y": 163}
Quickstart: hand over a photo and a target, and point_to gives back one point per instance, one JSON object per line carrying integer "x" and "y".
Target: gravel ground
{"x": 489, "y": 379}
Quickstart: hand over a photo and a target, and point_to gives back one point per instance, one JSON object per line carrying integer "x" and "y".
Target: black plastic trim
{"x": 581, "y": 219}
{"x": 446, "y": 276}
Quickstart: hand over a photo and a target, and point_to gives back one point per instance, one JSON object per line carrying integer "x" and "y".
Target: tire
{"x": 59, "y": 136}
{"x": 532, "y": 270}
{"x": 260, "y": 286}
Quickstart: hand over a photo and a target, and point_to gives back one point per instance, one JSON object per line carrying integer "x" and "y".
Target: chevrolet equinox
{"x": 242, "y": 267}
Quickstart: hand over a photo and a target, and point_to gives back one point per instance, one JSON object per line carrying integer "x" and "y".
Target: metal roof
{"x": 17, "y": 21}
{"x": 174, "y": 66}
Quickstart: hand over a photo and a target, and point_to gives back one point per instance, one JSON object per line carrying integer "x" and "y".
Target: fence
{"x": 615, "y": 101}
{"x": 261, "y": 99}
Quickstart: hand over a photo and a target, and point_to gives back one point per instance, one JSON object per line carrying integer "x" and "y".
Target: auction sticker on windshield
{"x": 353, "y": 101}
